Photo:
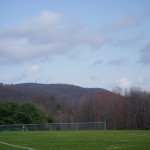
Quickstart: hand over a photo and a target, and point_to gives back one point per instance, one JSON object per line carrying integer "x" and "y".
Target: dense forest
{"x": 127, "y": 110}
{"x": 27, "y": 113}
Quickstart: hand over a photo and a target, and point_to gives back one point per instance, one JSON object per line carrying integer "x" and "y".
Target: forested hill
{"x": 35, "y": 91}
{"x": 68, "y": 103}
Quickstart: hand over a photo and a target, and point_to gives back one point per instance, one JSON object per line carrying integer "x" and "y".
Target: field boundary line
{"x": 12, "y": 145}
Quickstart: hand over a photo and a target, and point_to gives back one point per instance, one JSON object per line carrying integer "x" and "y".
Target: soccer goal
{"x": 55, "y": 126}
{"x": 78, "y": 126}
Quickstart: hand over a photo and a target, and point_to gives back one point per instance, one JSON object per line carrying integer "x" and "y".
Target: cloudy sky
{"x": 90, "y": 43}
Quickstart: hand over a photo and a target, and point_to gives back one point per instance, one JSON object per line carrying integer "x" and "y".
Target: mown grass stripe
{"x": 139, "y": 135}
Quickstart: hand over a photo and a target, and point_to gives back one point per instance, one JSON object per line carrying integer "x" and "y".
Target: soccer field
{"x": 75, "y": 140}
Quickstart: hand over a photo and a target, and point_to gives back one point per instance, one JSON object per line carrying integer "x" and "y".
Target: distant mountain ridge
{"x": 34, "y": 91}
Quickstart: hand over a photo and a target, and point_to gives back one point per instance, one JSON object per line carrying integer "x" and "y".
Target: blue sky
{"x": 90, "y": 43}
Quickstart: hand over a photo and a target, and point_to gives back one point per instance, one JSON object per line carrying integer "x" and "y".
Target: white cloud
{"x": 29, "y": 74}
{"x": 46, "y": 35}
{"x": 124, "y": 22}
{"x": 33, "y": 70}
{"x": 124, "y": 83}
{"x": 128, "y": 83}
{"x": 124, "y": 31}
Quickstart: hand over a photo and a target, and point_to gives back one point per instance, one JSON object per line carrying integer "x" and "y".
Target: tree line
{"x": 130, "y": 110}
{"x": 27, "y": 113}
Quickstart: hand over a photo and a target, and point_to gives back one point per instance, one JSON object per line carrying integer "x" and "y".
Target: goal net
{"x": 55, "y": 126}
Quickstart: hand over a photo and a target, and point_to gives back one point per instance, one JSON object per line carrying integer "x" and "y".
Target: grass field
{"x": 75, "y": 140}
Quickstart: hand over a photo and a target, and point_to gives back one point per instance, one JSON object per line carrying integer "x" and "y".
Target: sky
{"x": 89, "y": 43}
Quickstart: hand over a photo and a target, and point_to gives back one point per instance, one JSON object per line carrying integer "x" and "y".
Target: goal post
{"x": 55, "y": 126}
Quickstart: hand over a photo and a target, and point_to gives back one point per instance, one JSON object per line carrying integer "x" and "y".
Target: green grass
{"x": 77, "y": 140}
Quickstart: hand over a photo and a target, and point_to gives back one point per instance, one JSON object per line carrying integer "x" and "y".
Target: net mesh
{"x": 55, "y": 126}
